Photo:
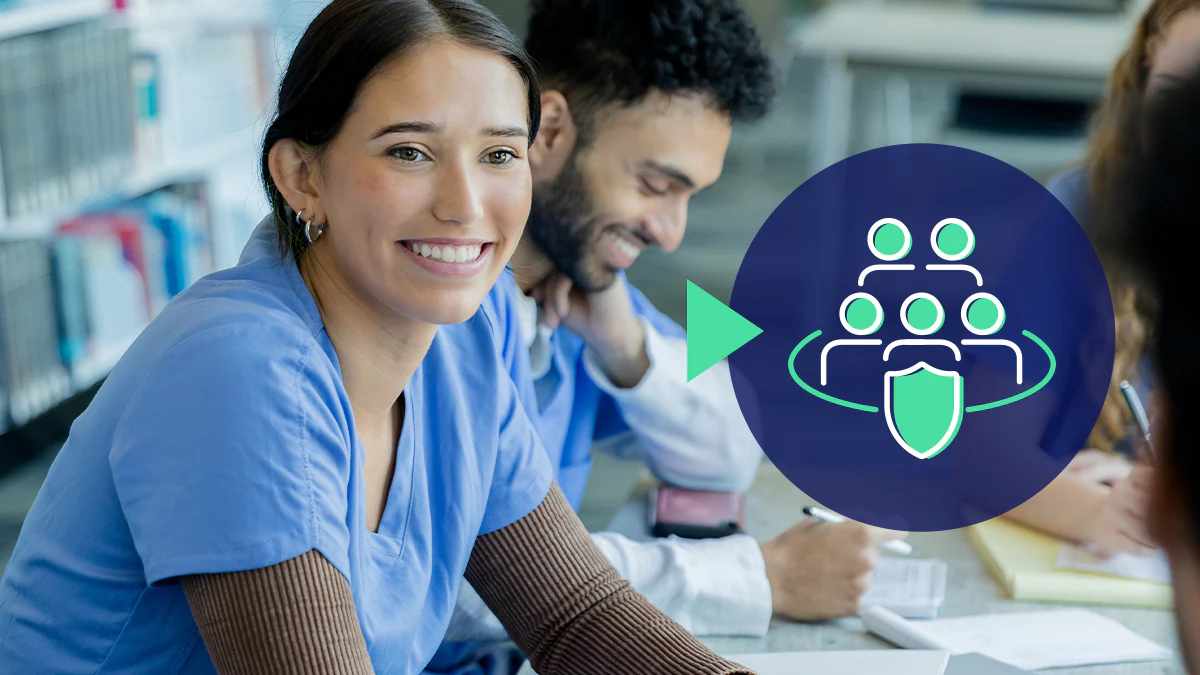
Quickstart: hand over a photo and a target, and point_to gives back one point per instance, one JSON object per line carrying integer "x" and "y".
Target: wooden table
{"x": 774, "y": 504}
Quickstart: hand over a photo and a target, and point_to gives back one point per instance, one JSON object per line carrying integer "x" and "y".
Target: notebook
{"x": 1028, "y": 640}
{"x": 1025, "y": 563}
{"x": 892, "y": 662}
{"x": 911, "y": 587}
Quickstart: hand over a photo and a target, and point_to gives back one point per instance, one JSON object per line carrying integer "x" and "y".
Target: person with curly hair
{"x": 638, "y": 103}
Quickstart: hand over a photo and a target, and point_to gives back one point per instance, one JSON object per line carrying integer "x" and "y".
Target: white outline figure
{"x": 861, "y": 331}
{"x": 862, "y": 278}
{"x": 999, "y": 318}
{"x": 966, "y": 249}
{"x": 1000, "y": 343}
{"x": 836, "y": 343}
{"x": 956, "y": 257}
{"x": 955, "y": 421}
{"x": 957, "y": 268}
{"x": 853, "y": 331}
{"x": 941, "y": 314}
{"x": 895, "y": 256}
{"x": 904, "y": 343}
{"x": 997, "y": 325}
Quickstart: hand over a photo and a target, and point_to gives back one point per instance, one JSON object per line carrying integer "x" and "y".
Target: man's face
{"x": 628, "y": 187}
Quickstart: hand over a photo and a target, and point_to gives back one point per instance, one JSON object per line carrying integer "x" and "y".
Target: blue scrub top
{"x": 223, "y": 441}
{"x": 573, "y": 412}
{"x": 570, "y": 415}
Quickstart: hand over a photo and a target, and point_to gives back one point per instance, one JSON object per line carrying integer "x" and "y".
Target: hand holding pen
{"x": 894, "y": 545}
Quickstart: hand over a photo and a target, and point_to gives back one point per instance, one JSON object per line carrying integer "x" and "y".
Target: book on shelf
{"x": 35, "y": 377}
{"x": 66, "y": 116}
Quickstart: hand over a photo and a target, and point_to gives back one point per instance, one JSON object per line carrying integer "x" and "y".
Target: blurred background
{"x": 129, "y": 134}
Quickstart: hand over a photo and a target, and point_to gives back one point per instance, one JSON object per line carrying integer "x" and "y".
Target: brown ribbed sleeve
{"x": 294, "y": 618}
{"x": 568, "y": 610}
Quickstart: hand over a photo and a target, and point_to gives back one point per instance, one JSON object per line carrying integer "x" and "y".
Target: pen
{"x": 1129, "y": 393}
{"x": 894, "y": 546}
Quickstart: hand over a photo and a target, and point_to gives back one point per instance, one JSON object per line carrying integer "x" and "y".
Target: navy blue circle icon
{"x": 937, "y": 337}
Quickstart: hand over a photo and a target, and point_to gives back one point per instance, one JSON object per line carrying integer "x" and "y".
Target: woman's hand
{"x": 1119, "y": 525}
{"x": 1097, "y": 466}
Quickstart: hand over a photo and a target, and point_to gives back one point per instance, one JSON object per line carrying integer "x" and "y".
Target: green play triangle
{"x": 713, "y": 331}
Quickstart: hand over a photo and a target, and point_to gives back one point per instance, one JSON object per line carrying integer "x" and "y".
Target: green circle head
{"x": 983, "y": 314}
{"x": 890, "y": 240}
{"x": 953, "y": 239}
{"x": 923, "y": 314}
{"x": 861, "y": 314}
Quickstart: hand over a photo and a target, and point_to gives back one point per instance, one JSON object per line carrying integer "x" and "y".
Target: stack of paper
{"x": 1028, "y": 640}
{"x": 911, "y": 587}
{"x": 1025, "y": 562}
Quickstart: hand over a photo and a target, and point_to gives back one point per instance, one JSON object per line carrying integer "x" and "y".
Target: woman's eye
{"x": 408, "y": 154}
{"x": 500, "y": 157}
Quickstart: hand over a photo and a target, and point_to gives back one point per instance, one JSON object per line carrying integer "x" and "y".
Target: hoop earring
{"x": 308, "y": 228}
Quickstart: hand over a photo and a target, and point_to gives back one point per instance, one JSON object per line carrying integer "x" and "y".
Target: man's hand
{"x": 819, "y": 570}
{"x": 604, "y": 320}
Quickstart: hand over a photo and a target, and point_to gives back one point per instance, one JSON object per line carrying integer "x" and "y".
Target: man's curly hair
{"x": 603, "y": 52}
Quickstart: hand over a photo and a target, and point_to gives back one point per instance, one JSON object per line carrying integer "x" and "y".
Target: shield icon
{"x": 924, "y": 408}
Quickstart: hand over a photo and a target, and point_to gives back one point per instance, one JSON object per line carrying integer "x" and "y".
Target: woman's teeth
{"x": 626, "y": 247}
{"x": 450, "y": 254}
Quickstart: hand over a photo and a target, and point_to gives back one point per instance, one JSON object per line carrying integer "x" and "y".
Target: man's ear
{"x": 296, "y": 174}
{"x": 556, "y": 137}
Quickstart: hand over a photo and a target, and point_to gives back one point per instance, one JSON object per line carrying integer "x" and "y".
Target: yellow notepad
{"x": 1025, "y": 561}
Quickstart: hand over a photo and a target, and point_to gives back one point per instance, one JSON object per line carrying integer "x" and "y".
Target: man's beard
{"x": 561, "y": 224}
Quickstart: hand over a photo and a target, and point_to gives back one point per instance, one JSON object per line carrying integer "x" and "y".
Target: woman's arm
{"x": 294, "y": 618}
{"x": 569, "y": 611}
{"x": 1066, "y": 508}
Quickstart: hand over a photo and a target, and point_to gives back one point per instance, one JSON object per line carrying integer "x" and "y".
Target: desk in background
{"x": 1003, "y": 51}
{"x": 774, "y": 504}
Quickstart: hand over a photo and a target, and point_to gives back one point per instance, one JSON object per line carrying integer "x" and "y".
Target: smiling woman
{"x": 297, "y": 463}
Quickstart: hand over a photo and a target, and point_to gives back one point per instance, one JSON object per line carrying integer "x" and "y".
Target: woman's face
{"x": 426, "y": 188}
{"x": 1177, "y": 54}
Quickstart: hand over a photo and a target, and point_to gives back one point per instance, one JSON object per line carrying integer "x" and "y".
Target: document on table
{"x": 887, "y": 661}
{"x": 1151, "y": 567}
{"x": 1028, "y": 640}
{"x": 845, "y": 663}
{"x": 911, "y": 587}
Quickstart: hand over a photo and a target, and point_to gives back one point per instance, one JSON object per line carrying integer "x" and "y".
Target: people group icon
{"x": 924, "y": 406}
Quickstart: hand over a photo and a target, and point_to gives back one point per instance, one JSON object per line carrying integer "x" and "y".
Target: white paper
{"x": 1028, "y": 640}
{"x": 1151, "y": 567}
{"x": 911, "y": 587}
{"x": 887, "y": 661}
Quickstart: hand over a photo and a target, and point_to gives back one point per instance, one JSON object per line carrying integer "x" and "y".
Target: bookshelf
{"x": 241, "y": 145}
{"x": 35, "y": 18}
{"x": 129, "y": 159}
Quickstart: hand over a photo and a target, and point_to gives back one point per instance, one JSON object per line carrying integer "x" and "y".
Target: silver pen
{"x": 893, "y": 545}
{"x": 1129, "y": 393}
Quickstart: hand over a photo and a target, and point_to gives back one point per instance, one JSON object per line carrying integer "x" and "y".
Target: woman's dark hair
{"x": 1157, "y": 214}
{"x": 347, "y": 42}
